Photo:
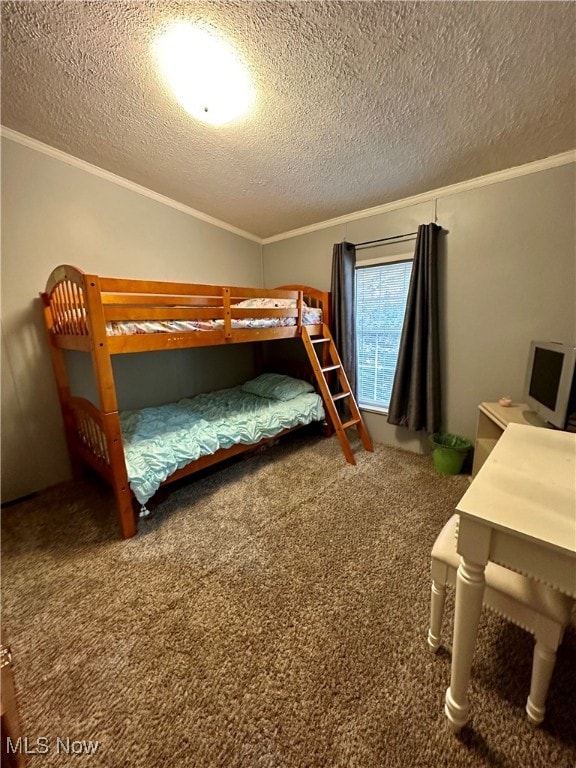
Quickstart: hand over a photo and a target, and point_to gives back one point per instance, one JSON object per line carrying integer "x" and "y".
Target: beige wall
{"x": 54, "y": 213}
{"x": 507, "y": 275}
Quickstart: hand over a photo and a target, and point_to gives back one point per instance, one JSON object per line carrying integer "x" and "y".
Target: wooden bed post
{"x": 124, "y": 504}
{"x": 102, "y": 364}
{"x": 227, "y": 313}
{"x": 101, "y": 359}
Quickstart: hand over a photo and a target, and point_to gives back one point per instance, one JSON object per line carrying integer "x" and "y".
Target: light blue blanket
{"x": 158, "y": 441}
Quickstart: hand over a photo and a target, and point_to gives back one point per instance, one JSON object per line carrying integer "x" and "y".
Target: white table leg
{"x": 542, "y": 668}
{"x": 470, "y": 582}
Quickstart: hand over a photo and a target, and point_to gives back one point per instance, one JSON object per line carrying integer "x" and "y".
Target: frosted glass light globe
{"x": 204, "y": 72}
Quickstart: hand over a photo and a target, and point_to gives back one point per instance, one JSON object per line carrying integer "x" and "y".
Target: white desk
{"x": 520, "y": 512}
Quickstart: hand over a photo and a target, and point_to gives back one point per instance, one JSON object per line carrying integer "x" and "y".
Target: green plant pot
{"x": 449, "y": 452}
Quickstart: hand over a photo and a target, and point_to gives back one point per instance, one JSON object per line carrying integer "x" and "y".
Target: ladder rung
{"x": 340, "y": 395}
{"x": 319, "y": 341}
{"x": 331, "y": 368}
{"x": 350, "y": 423}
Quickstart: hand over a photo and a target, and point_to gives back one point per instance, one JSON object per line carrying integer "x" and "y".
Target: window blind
{"x": 381, "y": 292}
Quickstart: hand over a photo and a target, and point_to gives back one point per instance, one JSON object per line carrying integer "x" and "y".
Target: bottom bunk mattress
{"x": 160, "y": 440}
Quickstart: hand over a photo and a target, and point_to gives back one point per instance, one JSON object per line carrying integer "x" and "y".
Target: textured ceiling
{"x": 359, "y": 103}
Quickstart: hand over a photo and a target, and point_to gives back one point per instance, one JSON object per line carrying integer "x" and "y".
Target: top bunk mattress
{"x": 158, "y": 441}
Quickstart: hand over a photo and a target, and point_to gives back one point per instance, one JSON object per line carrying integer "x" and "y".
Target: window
{"x": 381, "y": 291}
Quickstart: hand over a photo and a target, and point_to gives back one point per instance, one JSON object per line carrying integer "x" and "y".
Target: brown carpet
{"x": 271, "y": 614}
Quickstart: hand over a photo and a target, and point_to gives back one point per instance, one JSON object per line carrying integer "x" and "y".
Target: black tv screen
{"x": 545, "y": 378}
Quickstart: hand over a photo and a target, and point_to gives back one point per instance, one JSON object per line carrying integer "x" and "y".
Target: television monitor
{"x": 550, "y": 387}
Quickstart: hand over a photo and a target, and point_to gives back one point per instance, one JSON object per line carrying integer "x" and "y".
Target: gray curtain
{"x": 415, "y": 399}
{"x": 343, "y": 307}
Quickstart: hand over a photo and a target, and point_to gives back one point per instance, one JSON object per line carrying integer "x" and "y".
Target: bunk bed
{"x": 110, "y": 316}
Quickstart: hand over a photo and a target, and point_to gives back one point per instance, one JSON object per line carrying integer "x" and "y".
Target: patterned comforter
{"x": 158, "y": 441}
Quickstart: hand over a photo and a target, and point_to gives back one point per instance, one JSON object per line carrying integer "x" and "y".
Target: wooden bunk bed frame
{"x": 77, "y": 306}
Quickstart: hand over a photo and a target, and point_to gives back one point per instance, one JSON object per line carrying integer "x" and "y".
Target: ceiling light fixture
{"x": 204, "y": 72}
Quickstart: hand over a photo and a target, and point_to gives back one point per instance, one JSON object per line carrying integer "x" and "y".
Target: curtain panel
{"x": 343, "y": 307}
{"x": 415, "y": 399}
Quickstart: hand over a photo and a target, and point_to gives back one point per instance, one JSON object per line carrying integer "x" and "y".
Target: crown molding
{"x": 64, "y": 157}
{"x": 463, "y": 186}
{"x": 493, "y": 178}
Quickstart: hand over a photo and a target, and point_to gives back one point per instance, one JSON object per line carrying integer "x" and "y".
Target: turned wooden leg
{"x": 470, "y": 583}
{"x": 542, "y": 668}
{"x": 437, "y": 600}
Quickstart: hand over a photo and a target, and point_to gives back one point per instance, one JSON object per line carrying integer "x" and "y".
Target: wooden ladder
{"x": 325, "y": 363}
